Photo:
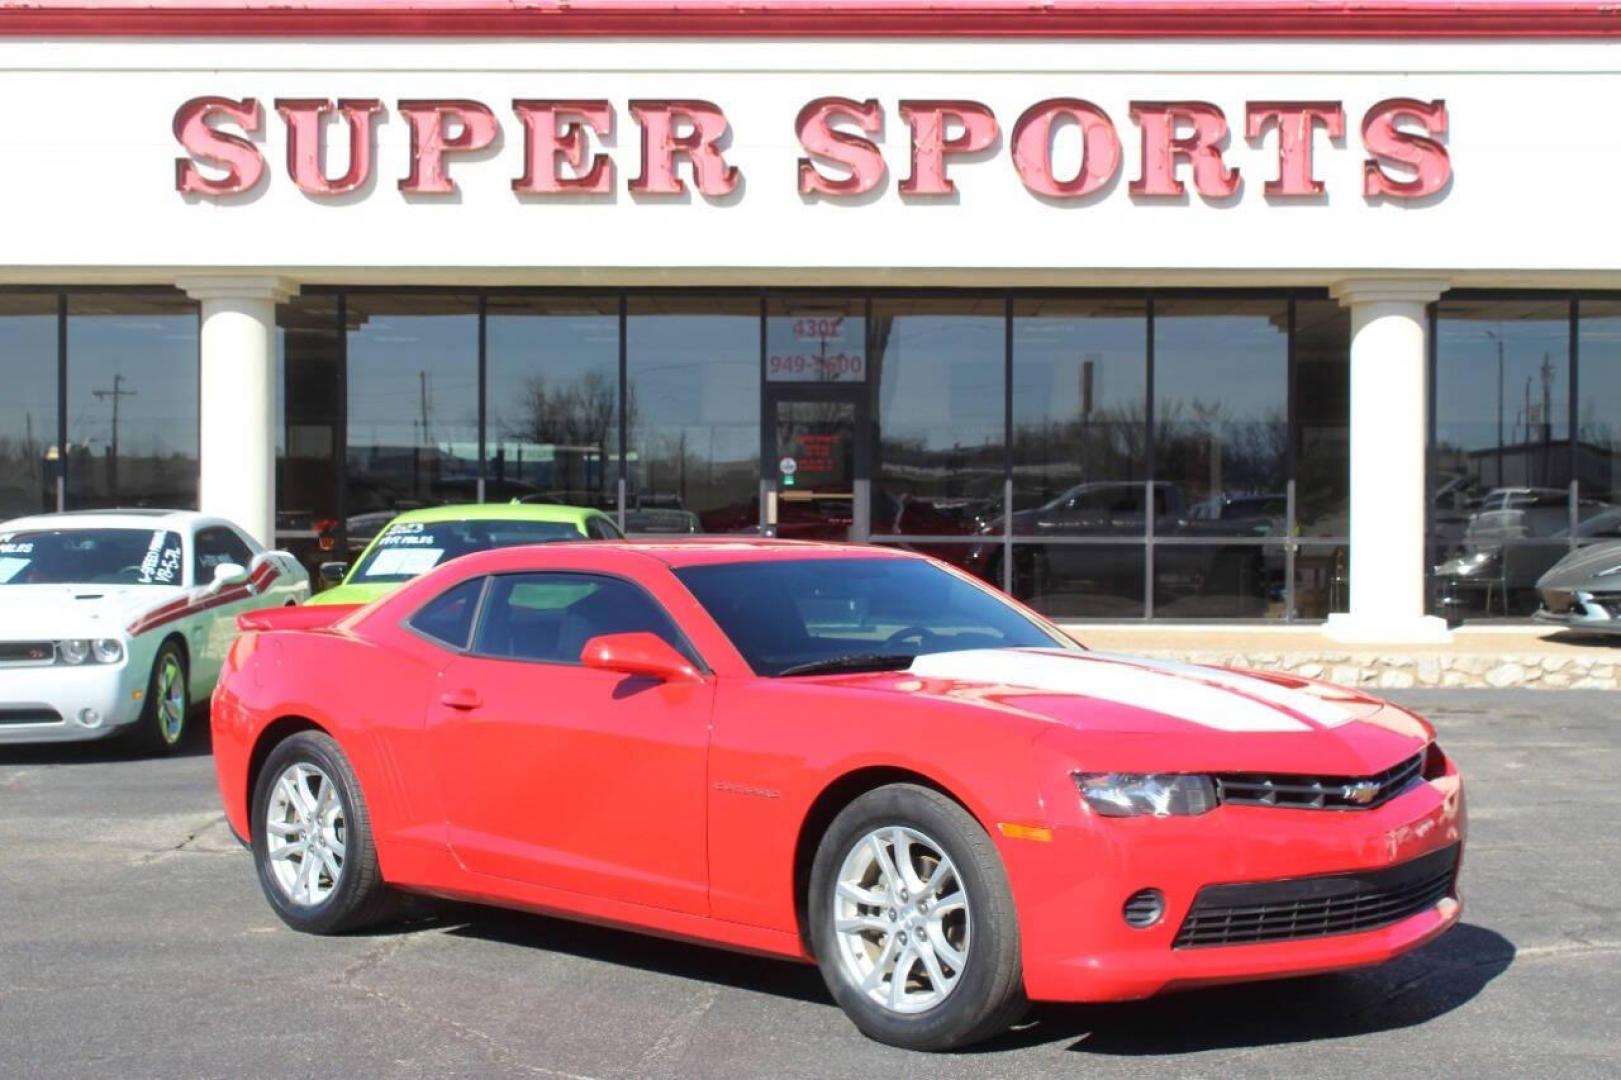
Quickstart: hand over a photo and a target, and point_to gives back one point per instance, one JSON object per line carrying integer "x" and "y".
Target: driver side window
{"x": 216, "y": 546}
{"x": 549, "y": 617}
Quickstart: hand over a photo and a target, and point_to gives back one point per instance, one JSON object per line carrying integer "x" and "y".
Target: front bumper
{"x": 48, "y": 703}
{"x": 1583, "y": 614}
{"x": 1078, "y": 947}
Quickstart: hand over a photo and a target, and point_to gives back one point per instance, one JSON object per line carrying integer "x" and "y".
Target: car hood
{"x": 1128, "y": 713}
{"x": 41, "y": 612}
{"x": 353, "y": 594}
{"x": 1584, "y": 566}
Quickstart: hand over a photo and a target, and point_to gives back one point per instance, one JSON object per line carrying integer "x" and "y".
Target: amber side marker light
{"x": 1014, "y": 831}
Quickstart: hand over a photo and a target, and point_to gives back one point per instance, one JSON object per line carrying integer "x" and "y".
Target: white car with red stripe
{"x": 117, "y": 621}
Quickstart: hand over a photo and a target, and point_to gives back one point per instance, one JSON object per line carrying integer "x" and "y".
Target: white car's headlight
{"x": 1147, "y": 794}
{"x": 77, "y": 651}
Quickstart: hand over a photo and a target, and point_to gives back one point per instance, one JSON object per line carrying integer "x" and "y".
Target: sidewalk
{"x": 1478, "y": 656}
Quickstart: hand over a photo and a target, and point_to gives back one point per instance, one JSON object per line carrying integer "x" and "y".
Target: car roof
{"x": 138, "y": 518}
{"x": 706, "y": 551}
{"x": 572, "y": 515}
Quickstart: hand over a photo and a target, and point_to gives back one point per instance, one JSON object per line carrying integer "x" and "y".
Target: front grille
{"x": 30, "y": 714}
{"x": 1319, "y": 792}
{"x": 27, "y": 652}
{"x": 1317, "y": 906}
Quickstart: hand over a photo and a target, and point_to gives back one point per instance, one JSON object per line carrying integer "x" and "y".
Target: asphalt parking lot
{"x": 134, "y": 943}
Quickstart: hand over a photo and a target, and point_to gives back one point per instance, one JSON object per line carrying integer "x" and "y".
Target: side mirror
{"x": 640, "y": 653}
{"x": 227, "y": 574}
{"x": 332, "y": 572}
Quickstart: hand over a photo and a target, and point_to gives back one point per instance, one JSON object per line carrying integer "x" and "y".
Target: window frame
{"x": 684, "y": 646}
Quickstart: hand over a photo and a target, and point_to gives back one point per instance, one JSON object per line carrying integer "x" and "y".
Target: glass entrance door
{"x": 816, "y": 440}
{"x": 818, "y": 463}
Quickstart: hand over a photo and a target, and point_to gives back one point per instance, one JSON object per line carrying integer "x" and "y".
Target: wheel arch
{"x": 272, "y": 735}
{"x": 839, "y": 793}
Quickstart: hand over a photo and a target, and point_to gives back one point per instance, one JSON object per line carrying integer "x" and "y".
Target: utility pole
{"x": 115, "y": 393}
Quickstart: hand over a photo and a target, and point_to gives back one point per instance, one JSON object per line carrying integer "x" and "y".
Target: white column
{"x": 237, "y": 454}
{"x": 1389, "y": 442}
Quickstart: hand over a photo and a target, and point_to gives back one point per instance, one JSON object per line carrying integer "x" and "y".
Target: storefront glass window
{"x": 692, "y": 417}
{"x": 939, "y": 367}
{"x": 132, "y": 400}
{"x": 1598, "y": 406}
{"x": 413, "y": 406}
{"x": 1080, "y": 455}
{"x": 1500, "y": 466}
{"x": 309, "y": 426}
{"x": 1221, "y": 380}
{"x": 28, "y": 435}
{"x": 1322, "y": 410}
{"x": 552, "y": 385}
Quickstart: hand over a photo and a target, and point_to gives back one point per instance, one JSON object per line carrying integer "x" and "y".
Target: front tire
{"x": 312, "y": 840}
{"x": 162, "y": 726}
{"x": 912, "y": 921}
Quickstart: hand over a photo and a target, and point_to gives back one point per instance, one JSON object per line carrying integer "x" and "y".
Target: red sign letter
{"x": 1202, "y": 148}
{"x": 1296, "y": 120}
{"x": 306, "y": 144}
{"x": 861, "y": 156}
{"x": 431, "y": 140}
{"x": 705, "y": 128}
{"x": 554, "y": 133}
{"x": 930, "y": 146}
{"x": 238, "y": 157}
{"x": 1389, "y": 145}
{"x": 1033, "y": 148}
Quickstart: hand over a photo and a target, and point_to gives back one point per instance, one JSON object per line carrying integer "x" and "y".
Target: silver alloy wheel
{"x": 171, "y": 699}
{"x": 901, "y": 919}
{"x": 305, "y": 834}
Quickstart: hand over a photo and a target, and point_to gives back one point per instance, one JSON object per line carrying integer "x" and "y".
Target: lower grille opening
{"x": 30, "y": 715}
{"x": 1317, "y": 906}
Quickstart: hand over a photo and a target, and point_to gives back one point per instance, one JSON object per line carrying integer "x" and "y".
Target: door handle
{"x": 460, "y": 699}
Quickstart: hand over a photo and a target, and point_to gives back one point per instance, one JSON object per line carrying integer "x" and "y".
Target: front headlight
{"x": 107, "y": 650}
{"x": 73, "y": 650}
{"x": 1152, "y": 794}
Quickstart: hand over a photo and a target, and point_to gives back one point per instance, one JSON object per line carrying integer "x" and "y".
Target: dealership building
{"x": 1140, "y": 308}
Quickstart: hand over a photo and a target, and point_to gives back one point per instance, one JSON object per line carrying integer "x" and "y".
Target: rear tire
{"x": 166, "y": 713}
{"x": 906, "y": 885}
{"x": 312, "y": 840}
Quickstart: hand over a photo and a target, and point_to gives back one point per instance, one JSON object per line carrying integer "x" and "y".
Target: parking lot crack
{"x": 677, "y": 1034}
{"x": 185, "y": 843}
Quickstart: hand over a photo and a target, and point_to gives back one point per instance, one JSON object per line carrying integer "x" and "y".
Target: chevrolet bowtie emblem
{"x": 1361, "y": 793}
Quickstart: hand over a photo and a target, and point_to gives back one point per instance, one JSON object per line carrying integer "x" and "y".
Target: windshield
{"x": 809, "y": 615}
{"x": 91, "y": 557}
{"x": 408, "y": 548}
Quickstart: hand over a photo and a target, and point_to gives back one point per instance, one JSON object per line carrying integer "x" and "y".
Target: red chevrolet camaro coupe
{"x": 855, "y": 755}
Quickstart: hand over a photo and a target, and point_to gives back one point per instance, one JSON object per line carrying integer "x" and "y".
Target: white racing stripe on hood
{"x": 1310, "y": 706}
{"x": 1184, "y": 695}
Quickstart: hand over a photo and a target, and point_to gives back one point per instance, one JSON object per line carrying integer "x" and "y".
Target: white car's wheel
{"x": 162, "y": 726}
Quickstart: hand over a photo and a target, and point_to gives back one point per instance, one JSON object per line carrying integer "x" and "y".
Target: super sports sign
{"x": 1402, "y": 142}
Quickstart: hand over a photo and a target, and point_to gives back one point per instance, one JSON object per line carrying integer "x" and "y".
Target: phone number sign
{"x": 819, "y": 349}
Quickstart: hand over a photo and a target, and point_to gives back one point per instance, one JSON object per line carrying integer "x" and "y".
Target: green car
{"x": 419, "y": 540}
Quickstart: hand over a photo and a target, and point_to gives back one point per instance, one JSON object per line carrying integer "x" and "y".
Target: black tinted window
{"x": 786, "y": 614}
{"x": 448, "y": 617}
{"x": 215, "y": 547}
{"x": 551, "y": 616}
